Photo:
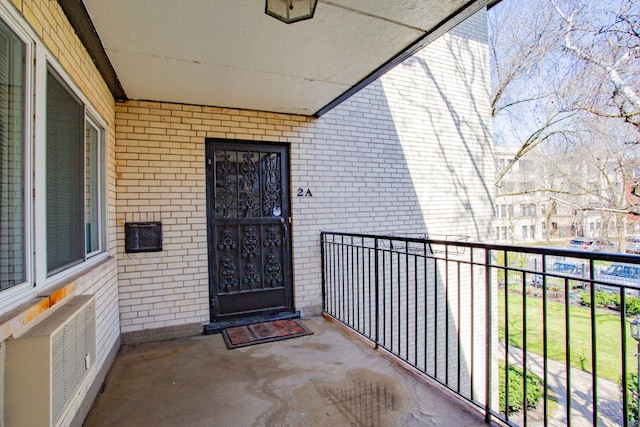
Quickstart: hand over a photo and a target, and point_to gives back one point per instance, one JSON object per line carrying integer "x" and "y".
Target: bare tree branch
{"x": 534, "y": 140}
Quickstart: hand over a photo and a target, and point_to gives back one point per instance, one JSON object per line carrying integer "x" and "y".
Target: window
{"x": 73, "y": 193}
{"x": 532, "y": 230}
{"x": 525, "y": 230}
{"x": 501, "y": 211}
{"x": 13, "y": 268}
{"x": 65, "y": 121}
{"x": 528, "y": 210}
{"x": 52, "y": 169}
{"x": 93, "y": 188}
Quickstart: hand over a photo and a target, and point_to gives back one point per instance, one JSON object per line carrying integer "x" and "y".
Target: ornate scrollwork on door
{"x": 271, "y": 184}
{"x": 273, "y": 240}
{"x": 273, "y": 268}
{"x": 228, "y": 267}
{"x": 228, "y": 274}
{"x": 249, "y": 187}
{"x": 273, "y": 271}
{"x": 252, "y": 278}
{"x": 249, "y": 201}
{"x": 250, "y": 243}
{"x": 227, "y": 243}
{"x": 225, "y": 198}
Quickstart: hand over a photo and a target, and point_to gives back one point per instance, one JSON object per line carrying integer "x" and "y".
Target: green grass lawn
{"x": 608, "y": 346}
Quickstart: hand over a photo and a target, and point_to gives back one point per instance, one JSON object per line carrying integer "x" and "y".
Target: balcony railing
{"x": 466, "y": 314}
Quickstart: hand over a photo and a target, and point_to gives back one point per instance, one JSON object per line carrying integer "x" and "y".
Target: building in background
{"x": 556, "y": 196}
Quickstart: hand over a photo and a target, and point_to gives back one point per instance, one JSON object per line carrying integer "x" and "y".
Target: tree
{"x": 608, "y": 49}
{"x": 566, "y": 85}
{"x": 524, "y": 50}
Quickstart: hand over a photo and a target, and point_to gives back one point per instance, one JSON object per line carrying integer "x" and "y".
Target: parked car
{"x": 622, "y": 274}
{"x": 591, "y": 245}
{"x": 561, "y": 269}
{"x": 633, "y": 245}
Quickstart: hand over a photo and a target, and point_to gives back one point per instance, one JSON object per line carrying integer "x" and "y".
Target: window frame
{"x": 14, "y": 295}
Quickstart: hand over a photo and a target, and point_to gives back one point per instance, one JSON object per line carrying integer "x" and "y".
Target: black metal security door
{"x": 248, "y": 229}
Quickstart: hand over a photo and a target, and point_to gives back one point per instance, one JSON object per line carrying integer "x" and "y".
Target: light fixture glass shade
{"x": 290, "y": 11}
{"x": 634, "y": 326}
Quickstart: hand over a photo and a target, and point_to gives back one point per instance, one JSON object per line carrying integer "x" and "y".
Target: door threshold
{"x": 217, "y": 327}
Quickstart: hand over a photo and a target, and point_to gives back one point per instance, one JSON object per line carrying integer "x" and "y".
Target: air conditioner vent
{"x": 46, "y": 366}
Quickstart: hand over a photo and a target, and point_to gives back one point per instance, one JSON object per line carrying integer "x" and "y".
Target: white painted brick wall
{"x": 409, "y": 154}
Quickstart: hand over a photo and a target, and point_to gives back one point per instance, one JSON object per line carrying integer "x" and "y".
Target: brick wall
{"x": 408, "y": 154}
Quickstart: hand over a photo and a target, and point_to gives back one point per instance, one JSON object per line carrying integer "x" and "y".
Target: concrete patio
{"x": 331, "y": 378}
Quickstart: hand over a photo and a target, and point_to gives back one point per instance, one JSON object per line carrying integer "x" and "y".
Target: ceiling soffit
{"x": 229, "y": 53}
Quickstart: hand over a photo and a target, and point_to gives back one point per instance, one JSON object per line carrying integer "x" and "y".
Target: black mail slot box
{"x": 142, "y": 237}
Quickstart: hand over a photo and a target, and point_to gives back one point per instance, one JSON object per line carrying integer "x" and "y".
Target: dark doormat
{"x": 258, "y": 333}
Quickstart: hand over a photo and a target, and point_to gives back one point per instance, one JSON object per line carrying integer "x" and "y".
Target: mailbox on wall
{"x": 142, "y": 237}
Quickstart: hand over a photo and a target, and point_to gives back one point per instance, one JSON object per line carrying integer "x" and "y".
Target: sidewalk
{"x": 609, "y": 398}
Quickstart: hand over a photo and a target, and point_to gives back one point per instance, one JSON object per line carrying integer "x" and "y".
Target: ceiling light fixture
{"x": 290, "y": 11}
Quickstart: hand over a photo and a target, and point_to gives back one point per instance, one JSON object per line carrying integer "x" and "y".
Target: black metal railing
{"x": 476, "y": 316}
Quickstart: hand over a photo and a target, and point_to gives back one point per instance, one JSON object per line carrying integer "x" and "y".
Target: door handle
{"x": 284, "y": 225}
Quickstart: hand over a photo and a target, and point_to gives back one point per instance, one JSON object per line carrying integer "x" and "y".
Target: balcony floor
{"x": 330, "y": 378}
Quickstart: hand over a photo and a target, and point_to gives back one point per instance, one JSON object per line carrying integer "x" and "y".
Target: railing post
{"x": 323, "y": 274}
{"x": 488, "y": 349}
{"x": 377, "y": 283}
{"x": 623, "y": 342}
{"x": 594, "y": 350}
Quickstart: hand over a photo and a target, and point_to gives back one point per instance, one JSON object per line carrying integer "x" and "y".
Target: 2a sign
{"x": 302, "y": 193}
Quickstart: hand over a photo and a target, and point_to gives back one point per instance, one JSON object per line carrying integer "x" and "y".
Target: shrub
{"x": 585, "y": 299}
{"x": 603, "y": 299}
{"x": 515, "y": 260}
{"x": 606, "y": 299}
{"x": 632, "y": 397}
{"x": 633, "y": 305}
{"x": 516, "y": 389}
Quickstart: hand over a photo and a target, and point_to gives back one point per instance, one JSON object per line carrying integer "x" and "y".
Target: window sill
{"x": 21, "y": 316}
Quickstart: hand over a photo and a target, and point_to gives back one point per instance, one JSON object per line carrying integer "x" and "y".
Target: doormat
{"x": 258, "y": 333}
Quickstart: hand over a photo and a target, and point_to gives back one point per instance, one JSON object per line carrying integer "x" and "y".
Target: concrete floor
{"x": 330, "y": 378}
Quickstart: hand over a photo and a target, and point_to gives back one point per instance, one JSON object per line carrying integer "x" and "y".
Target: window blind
{"x": 12, "y": 220}
{"x": 65, "y": 177}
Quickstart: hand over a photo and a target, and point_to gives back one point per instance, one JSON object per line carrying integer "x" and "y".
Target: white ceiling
{"x": 229, "y": 53}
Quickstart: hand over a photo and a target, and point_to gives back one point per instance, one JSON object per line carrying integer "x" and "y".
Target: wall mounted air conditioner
{"x": 47, "y": 365}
